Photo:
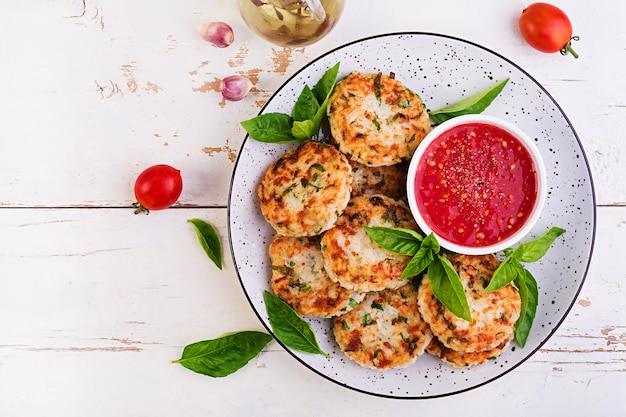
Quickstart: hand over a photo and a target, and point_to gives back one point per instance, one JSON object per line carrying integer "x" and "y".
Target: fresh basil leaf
{"x": 470, "y": 105}
{"x": 319, "y": 116}
{"x": 289, "y": 327}
{"x": 209, "y": 240}
{"x": 322, "y": 91}
{"x": 503, "y": 275}
{"x": 396, "y": 240}
{"x": 418, "y": 263}
{"x": 270, "y": 128}
{"x": 223, "y": 356}
{"x": 306, "y": 105}
{"x": 326, "y": 84}
{"x": 522, "y": 289}
{"x": 304, "y": 129}
{"x": 308, "y": 113}
{"x": 432, "y": 243}
{"x": 448, "y": 288}
{"x": 524, "y": 324}
{"x": 535, "y": 250}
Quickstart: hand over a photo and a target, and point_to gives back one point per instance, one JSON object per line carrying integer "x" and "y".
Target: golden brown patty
{"x": 494, "y": 313}
{"x": 375, "y": 119}
{"x": 384, "y": 331}
{"x": 387, "y": 180}
{"x": 306, "y": 190}
{"x": 464, "y": 359}
{"x": 352, "y": 258}
{"x": 299, "y": 278}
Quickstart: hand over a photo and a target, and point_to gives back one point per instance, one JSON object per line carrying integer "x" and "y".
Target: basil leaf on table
{"x": 209, "y": 240}
{"x": 289, "y": 327}
{"x": 270, "y": 128}
{"x": 223, "y": 356}
{"x": 525, "y": 322}
{"x": 448, "y": 288}
{"x": 471, "y": 105}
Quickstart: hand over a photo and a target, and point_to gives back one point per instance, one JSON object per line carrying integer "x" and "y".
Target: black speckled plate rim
{"x": 593, "y": 231}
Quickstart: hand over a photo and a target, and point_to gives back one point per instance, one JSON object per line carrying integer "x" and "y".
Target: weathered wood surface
{"x": 95, "y": 302}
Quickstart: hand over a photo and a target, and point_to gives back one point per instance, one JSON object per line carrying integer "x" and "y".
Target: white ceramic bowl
{"x": 528, "y": 221}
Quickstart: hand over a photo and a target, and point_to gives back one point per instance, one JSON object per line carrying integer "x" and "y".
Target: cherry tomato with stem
{"x": 547, "y": 28}
{"x": 157, "y": 188}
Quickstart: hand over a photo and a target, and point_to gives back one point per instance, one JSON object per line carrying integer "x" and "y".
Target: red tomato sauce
{"x": 476, "y": 185}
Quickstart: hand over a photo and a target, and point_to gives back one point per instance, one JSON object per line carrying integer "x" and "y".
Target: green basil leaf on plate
{"x": 223, "y": 356}
{"x": 418, "y": 263}
{"x": 396, "y": 240}
{"x": 306, "y": 105}
{"x": 289, "y": 327}
{"x": 471, "y": 105}
{"x": 304, "y": 129}
{"x": 448, "y": 288}
{"x": 270, "y": 128}
{"x": 530, "y": 300}
{"x": 326, "y": 84}
{"x": 535, "y": 250}
{"x": 504, "y": 274}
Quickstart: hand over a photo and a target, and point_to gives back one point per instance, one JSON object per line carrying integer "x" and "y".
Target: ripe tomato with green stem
{"x": 547, "y": 28}
{"x": 157, "y": 188}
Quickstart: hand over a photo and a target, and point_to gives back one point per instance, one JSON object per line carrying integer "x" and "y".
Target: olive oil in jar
{"x": 291, "y": 22}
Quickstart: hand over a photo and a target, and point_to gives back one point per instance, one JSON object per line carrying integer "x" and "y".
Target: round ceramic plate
{"x": 442, "y": 70}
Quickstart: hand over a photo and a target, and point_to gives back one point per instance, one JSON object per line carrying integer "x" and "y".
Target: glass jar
{"x": 291, "y": 22}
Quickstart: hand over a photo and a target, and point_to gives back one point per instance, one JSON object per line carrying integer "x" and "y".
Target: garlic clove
{"x": 220, "y": 34}
{"x": 235, "y": 87}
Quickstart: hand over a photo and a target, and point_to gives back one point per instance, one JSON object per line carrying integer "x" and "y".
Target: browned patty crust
{"x": 304, "y": 192}
{"x": 384, "y": 331}
{"x": 464, "y": 359}
{"x": 352, "y": 258}
{"x": 375, "y": 119}
{"x": 494, "y": 313}
{"x": 299, "y": 278}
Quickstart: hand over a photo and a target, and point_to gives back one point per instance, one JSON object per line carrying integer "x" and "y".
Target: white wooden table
{"x": 95, "y": 302}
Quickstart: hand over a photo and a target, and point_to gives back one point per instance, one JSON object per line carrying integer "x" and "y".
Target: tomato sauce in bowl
{"x": 477, "y": 183}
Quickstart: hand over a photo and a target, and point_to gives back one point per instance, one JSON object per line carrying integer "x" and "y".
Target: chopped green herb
{"x": 289, "y": 189}
{"x": 377, "y": 306}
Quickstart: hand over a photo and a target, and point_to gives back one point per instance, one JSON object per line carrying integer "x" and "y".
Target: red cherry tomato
{"x": 157, "y": 188}
{"x": 547, "y": 28}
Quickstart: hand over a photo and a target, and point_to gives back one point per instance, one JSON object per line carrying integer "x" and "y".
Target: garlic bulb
{"x": 235, "y": 87}
{"x": 220, "y": 34}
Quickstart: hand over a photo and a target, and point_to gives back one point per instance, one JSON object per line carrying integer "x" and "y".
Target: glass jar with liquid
{"x": 291, "y": 22}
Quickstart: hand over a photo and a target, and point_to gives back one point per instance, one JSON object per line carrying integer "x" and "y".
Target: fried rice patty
{"x": 494, "y": 313}
{"x": 387, "y": 180}
{"x": 306, "y": 190}
{"x": 375, "y": 119}
{"x": 384, "y": 331}
{"x": 352, "y": 258}
{"x": 299, "y": 278}
{"x": 464, "y": 359}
